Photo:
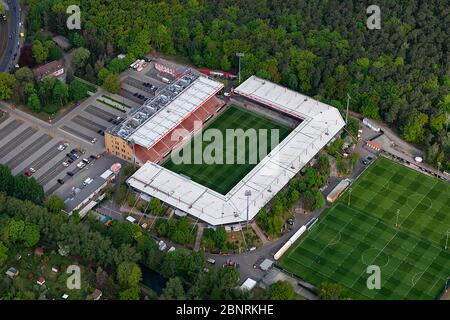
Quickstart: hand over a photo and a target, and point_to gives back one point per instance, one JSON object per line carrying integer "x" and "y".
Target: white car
{"x": 63, "y": 147}
{"x": 65, "y": 164}
{"x": 94, "y": 140}
{"x": 32, "y": 170}
{"x": 81, "y": 165}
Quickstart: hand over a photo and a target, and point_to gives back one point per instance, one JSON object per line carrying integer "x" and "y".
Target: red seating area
{"x": 164, "y": 146}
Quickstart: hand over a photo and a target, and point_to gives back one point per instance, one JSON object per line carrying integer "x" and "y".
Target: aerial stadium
{"x": 221, "y": 194}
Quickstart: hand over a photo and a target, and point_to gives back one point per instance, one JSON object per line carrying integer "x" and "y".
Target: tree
{"x": 34, "y": 103}
{"x": 174, "y": 289}
{"x": 414, "y": 130}
{"x": 129, "y": 294}
{"x": 79, "y": 58}
{"x": 354, "y": 159}
{"x": 128, "y": 274}
{"x": 103, "y": 73}
{"x": 281, "y": 290}
{"x": 24, "y": 75}
{"x": 30, "y": 235}
{"x": 3, "y": 253}
{"x": 77, "y": 90}
{"x": 60, "y": 93}
{"x": 54, "y": 52}
{"x": 13, "y": 230}
{"x": 40, "y": 53}
{"x": 112, "y": 83}
{"x": 55, "y": 204}
{"x": 330, "y": 291}
{"x": 156, "y": 207}
{"x": 7, "y": 82}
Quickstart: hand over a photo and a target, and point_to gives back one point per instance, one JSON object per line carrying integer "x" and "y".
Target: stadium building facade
{"x": 149, "y": 142}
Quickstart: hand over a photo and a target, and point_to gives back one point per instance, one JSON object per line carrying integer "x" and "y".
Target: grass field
{"x": 349, "y": 238}
{"x": 223, "y": 177}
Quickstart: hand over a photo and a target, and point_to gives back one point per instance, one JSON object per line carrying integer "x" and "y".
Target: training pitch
{"x": 223, "y": 177}
{"x": 360, "y": 230}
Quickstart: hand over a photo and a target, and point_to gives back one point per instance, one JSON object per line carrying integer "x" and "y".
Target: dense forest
{"x": 399, "y": 74}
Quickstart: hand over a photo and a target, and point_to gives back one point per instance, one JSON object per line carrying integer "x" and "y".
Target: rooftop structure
{"x": 148, "y": 123}
{"x": 54, "y": 68}
{"x": 320, "y": 124}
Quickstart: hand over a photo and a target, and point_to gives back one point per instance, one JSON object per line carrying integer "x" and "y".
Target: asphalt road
{"x": 13, "y": 29}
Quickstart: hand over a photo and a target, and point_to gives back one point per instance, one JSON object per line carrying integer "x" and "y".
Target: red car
{"x": 27, "y": 173}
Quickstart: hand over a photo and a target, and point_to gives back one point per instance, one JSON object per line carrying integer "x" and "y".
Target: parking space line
{"x": 77, "y": 134}
{"x": 16, "y": 141}
{"x": 102, "y": 114}
{"x": 88, "y": 124}
{"x": 46, "y": 157}
{"x": 31, "y": 149}
{"x": 10, "y": 127}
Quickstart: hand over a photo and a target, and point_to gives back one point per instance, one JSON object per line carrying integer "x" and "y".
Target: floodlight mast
{"x": 349, "y": 195}
{"x": 248, "y": 194}
{"x": 446, "y": 240}
{"x": 239, "y": 55}
{"x": 348, "y": 104}
{"x": 397, "y": 214}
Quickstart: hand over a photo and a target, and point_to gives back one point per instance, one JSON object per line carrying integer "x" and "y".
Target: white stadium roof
{"x": 174, "y": 113}
{"x": 321, "y": 123}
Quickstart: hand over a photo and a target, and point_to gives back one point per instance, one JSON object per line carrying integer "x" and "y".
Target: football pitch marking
{"x": 398, "y": 229}
{"x": 406, "y": 245}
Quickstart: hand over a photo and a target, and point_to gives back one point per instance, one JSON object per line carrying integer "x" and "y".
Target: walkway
{"x": 198, "y": 239}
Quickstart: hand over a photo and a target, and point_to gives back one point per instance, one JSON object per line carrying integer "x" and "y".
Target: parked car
{"x": 65, "y": 164}
{"x": 32, "y": 170}
{"x": 70, "y": 173}
{"x": 94, "y": 140}
{"x": 81, "y": 165}
{"x": 86, "y": 161}
{"x": 60, "y": 181}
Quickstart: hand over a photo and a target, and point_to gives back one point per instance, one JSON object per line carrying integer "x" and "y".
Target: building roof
{"x": 248, "y": 284}
{"x": 320, "y": 124}
{"x": 84, "y": 194}
{"x": 48, "y": 69}
{"x": 266, "y": 264}
{"x": 97, "y": 294}
{"x": 62, "y": 42}
{"x": 164, "y": 121}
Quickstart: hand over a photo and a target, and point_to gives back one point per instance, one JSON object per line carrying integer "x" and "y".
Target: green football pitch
{"x": 223, "y": 177}
{"x": 360, "y": 230}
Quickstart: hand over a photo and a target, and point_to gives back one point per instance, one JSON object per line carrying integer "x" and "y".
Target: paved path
{"x": 198, "y": 239}
{"x": 259, "y": 233}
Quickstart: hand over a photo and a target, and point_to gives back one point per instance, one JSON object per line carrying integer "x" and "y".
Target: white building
{"x": 320, "y": 123}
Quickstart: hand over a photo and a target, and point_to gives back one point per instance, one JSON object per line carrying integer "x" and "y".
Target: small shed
{"x": 12, "y": 272}
{"x": 248, "y": 285}
{"x": 65, "y": 296}
{"x": 97, "y": 294}
{"x": 266, "y": 265}
{"x": 39, "y": 251}
{"x": 40, "y": 281}
{"x": 55, "y": 269}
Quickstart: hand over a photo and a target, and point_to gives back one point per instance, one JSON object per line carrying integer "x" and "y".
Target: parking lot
{"x": 33, "y": 148}
{"x": 45, "y": 151}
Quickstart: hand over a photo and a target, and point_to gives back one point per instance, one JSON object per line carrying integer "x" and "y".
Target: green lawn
{"x": 347, "y": 239}
{"x": 223, "y": 177}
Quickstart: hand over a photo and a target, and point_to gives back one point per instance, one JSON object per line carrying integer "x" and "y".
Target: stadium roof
{"x": 320, "y": 124}
{"x": 175, "y": 112}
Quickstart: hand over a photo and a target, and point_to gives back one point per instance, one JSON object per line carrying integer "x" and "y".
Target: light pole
{"x": 248, "y": 194}
{"x": 349, "y": 196}
{"x": 446, "y": 240}
{"x": 397, "y": 214}
{"x": 239, "y": 55}
{"x": 348, "y": 104}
